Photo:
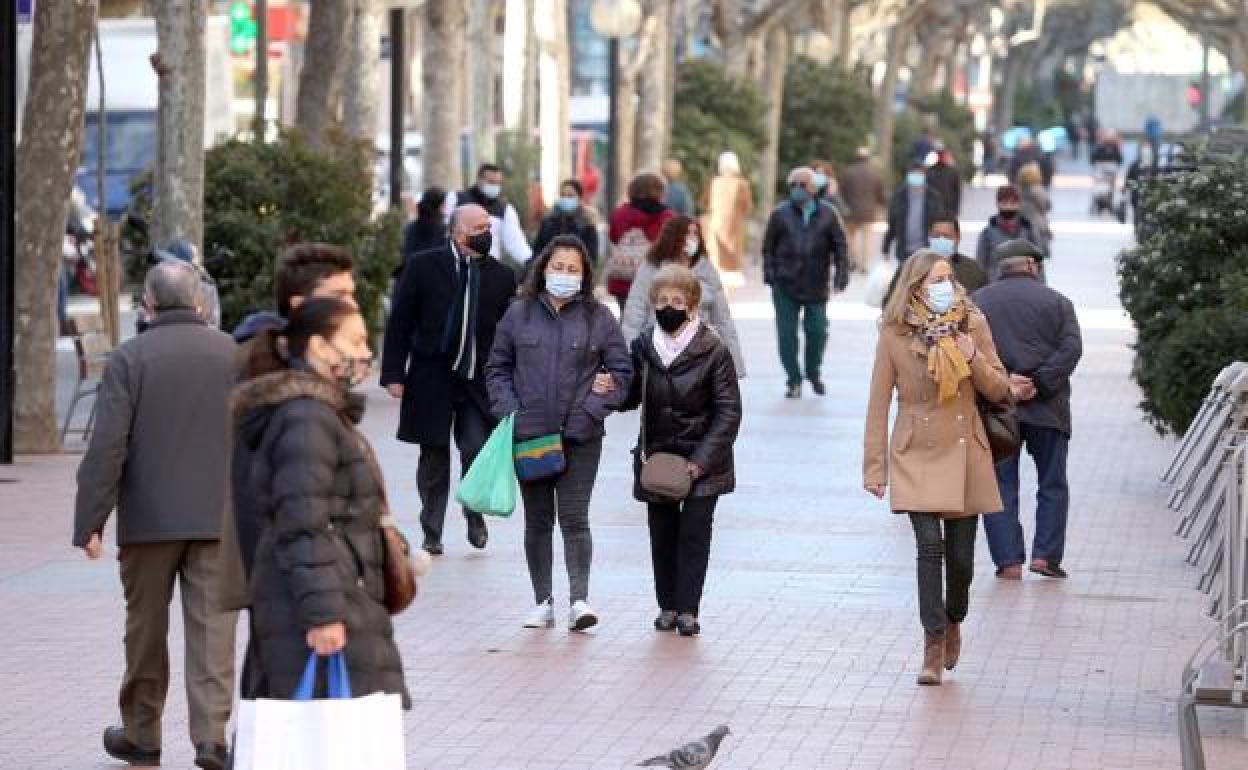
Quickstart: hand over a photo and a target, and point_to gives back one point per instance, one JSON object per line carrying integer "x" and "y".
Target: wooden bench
{"x": 1215, "y": 675}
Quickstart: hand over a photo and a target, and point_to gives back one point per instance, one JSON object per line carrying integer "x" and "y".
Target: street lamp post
{"x": 614, "y": 19}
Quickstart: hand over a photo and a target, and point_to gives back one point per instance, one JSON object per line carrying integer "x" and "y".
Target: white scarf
{"x": 669, "y": 348}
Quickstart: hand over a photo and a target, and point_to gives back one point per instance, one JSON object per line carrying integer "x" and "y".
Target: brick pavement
{"x": 811, "y": 639}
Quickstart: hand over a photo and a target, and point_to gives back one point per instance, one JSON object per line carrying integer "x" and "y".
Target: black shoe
{"x": 687, "y": 624}
{"x": 666, "y": 621}
{"x": 211, "y": 756}
{"x": 118, "y": 746}
{"x": 818, "y": 387}
{"x": 432, "y": 547}
{"x": 1048, "y": 569}
{"x": 793, "y": 391}
{"x": 478, "y": 535}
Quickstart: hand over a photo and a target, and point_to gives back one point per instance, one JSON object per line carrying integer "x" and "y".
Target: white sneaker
{"x": 542, "y": 616}
{"x": 581, "y": 617}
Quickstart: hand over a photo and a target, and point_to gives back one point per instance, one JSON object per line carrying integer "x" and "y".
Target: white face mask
{"x": 692, "y": 245}
{"x": 563, "y": 285}
{"x": 491, "y": 190}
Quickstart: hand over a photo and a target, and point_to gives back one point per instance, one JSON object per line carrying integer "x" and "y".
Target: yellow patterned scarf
{"x": 945, "y": 363}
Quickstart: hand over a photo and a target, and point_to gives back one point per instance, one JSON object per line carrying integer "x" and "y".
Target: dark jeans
{"x": 946, "y": 564}
{"x": 814, "y": 321}
{"x": 565, "y": 498}
{"x": 1047, "y": 446}
{"x": 471, "y": 428}
{"x": 680, "y": 547}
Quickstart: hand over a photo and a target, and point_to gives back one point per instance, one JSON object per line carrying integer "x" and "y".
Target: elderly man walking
{"x": 159, "y": 455}
{"x": 1038, "y": 339}
{"x": 804, "y": 242}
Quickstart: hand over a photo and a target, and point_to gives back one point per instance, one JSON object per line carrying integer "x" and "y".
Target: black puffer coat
{"x": 319, "y": 557}
{"x": 803, "y": 257}
{"x": 693, "y": 409}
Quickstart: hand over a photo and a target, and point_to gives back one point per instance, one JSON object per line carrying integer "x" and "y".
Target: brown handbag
{"x": 397, "y": 569}
{"x": 1001, "y": 427}
{"x": 663, "y": 474}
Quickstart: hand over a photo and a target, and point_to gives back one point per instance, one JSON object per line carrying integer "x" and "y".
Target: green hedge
{"x": 955, "y": 126}
{"x": 1186, "y": 288}
{"x": 827, "y": 115}
{"x": 715, "y": 113}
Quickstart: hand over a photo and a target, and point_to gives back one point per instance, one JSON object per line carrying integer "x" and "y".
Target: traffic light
{"x": 242, "y": 27}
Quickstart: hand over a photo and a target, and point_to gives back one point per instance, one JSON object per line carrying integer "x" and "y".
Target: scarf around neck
{"x": 945, "y": 363}
{"x": 670, "y": 348}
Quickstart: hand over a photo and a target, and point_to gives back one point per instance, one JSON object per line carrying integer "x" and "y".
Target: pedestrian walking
{"x": 936, "y": 352}
{"x": 911, "y": 212}
{"x": 728, "y": 203}
{"x": 508, "y": 235}
{"x": 317, "y": 581}
{"x": 1035, "y": 205}
{"x": 863, "y": 190}
{"x": 1037, "y": 334}
{"x": 945, "y": 238}
{"x": 1007, "y": 224}
{"x": 680, "y": 243}
{"x": 304, "y": 271}
{"x": 181, "y": 249}
{"x": 943, "y": 177}
{"x": 686, "y": 385}
{"x": 165, "y": 385}
{"x": 633, "y": 229}
{"x": 804, "y": 258}
{"x": 438, "y": 339}
{"x": 559, "y": 365}
{"x": 678, "y": 199}
{"x": 428, "y": 230}
{"x": 570, "y": 216}
{"x": 827, "y": 187}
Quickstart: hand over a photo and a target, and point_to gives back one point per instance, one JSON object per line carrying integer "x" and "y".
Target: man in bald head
{"x": 441, "y": 329}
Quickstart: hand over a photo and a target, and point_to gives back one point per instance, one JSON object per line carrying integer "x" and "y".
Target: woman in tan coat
{"x": 728, "y": 204}
{"x": 935, "y": 350}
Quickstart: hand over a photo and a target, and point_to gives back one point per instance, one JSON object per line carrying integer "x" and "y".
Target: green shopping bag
{"x": 490, "y": 485}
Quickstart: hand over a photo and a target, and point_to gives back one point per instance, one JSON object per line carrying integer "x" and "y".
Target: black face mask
{"x": 481, "y": 243}
{"x": 1008, "y": 214}
{"x": 671, "y": 319}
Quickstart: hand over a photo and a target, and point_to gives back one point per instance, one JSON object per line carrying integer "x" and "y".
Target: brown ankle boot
{"x": 953, "y": 645}
{"x": 933, "y": 659}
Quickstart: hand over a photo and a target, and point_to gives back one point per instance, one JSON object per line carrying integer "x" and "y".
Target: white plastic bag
{"x": 878, "y": 281}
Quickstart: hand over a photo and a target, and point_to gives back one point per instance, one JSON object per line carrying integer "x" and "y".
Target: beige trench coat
{"x": 728, "y": 203}
{"x": 938, "y": 460}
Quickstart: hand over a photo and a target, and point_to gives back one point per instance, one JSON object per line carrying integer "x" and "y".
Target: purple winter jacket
{"x": 543, "y": 364}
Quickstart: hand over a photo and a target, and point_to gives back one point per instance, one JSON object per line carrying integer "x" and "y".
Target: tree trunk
{"x": 550, "y": 19}
{"x": 778, "y": 43}
{"x": 732, "y": 39}
{"x": 46, "y": 161}
{"x": 885, "y": 111}
{"x": 178, "y": 185}
{"x": 481, "y": 63}
{"x": 922, "y": 75}
{"x": 446, "y": 26}
{"x": 631, "y": 65}
{"x": 655, "y": 91}
{"x": 362, "y": 85}
{"x": 515, "y": 54}
{"x": 324, "y": 62}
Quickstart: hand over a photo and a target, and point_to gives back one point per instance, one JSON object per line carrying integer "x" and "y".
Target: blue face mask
{"x": 942, "y": 246}
{"x": 562, "y": 285}
{"x": 799, "y": 195}
{"x": 568, "y": 203}
{"x": 821, "y": 180}
{"x": 940, "y": 296}
{"x": 916, "y": 179}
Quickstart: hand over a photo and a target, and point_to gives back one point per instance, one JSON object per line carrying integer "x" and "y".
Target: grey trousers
{"x": 567, "y": 499}
{"x": 148, "y": 573}
{"x": 945, "y": 565}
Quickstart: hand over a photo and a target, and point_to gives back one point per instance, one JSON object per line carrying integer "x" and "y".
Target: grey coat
{"x": 994, "y": 235}
{"x": 162, "y": 433}
{"x": 714, "y": 310}
{"x": 1037, "y": 335}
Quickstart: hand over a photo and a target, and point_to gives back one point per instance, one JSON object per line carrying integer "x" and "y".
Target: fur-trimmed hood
{"x": 254, "y": 401}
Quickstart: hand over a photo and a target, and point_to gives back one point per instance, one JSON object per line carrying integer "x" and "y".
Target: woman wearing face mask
{"x": 685, "y": 376}
{"x": 935, "y": 350}
{"x": 317, "y": 583}
{"x": 1007, "y": 225}
{"x": 680, "y": 243}
{"x": 559, "y": 365}
{"x": 569, "y": 216}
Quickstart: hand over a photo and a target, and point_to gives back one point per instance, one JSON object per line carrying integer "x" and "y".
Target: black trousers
{"x": 946, "y": 565}
{"x": 471, "y": 428}
{"x": 680, "y": 548}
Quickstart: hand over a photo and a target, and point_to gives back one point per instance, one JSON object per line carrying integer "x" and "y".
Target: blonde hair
{"x": 1030, "y": 174}
{"x": 910, "y": 276}
{"x": 680, "y": 278}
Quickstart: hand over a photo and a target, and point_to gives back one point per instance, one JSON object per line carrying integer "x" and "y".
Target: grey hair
{"x": 800, "y": 171}
{"x": 173, "y": 284}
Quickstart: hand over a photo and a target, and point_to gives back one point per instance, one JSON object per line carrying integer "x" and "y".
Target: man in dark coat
{"x": 509, "y": 239}
{"x": 441, "y": 330}
{"x": 1038, "y": 338}
{"x": 944, "y": 178}
{"x": 913, "y": 209}
{"x": 1007, "y": 224}
{"x": 863, "y": 191}
{"x": 802, "y": 246}
{"x": 159, "y": 389}
{"x": 570, "y": 216}
{"x": 944, "y": 238}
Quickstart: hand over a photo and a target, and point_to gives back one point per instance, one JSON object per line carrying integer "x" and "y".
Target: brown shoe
{"x": 933, "y": 659}
{"x": 953, "y": 645}
{"x": 1012, "y": 572}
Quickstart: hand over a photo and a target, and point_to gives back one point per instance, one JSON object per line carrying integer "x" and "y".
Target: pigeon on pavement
{"x": 692, "y": 756}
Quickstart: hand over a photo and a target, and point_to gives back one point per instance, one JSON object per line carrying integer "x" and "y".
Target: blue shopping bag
{"x": 490, "y": 484}
{"x": 339, "y": 680}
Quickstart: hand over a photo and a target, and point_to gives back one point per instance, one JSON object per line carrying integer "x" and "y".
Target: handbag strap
{"x": 645, "y": 389}
{"x": 338, "y": 682}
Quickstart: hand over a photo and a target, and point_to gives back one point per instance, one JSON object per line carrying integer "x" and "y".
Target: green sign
{"x": 242, "y": 27}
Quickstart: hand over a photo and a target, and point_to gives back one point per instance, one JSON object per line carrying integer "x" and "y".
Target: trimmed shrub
{"x": 955, "y": 126}
{"x": 715, "y": 113}
{"x": 827, "y": 114}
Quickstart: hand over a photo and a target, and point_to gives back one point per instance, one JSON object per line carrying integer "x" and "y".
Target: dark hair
{"x": 646, "y": 187}
{"x": 275, "y": 349}
{"x": 670, "y": 245}
{"x": 302, "y": 267}
{"x": 430, "y": 205}
{"x": 947, "y": 219}
{"x": 535, "y": 284}
{"x": 488, "y": 168}
{"x": 575, "y": 184}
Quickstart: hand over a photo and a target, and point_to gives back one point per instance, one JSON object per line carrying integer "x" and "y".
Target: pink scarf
{"x": 669, "y": 348}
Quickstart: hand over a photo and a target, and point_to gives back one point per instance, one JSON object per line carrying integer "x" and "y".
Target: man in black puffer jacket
{"x": 803, "y": 243}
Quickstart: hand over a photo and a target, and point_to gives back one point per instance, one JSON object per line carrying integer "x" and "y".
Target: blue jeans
{"x": 1047, "y": 446}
